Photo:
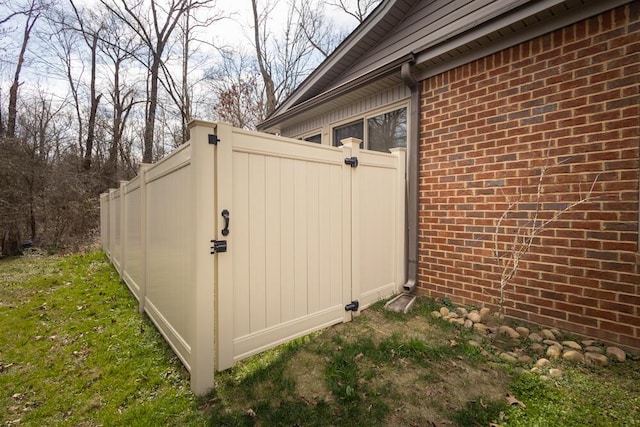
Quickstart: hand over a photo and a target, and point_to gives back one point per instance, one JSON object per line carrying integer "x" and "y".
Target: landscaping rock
{"x": 468, "y": 324}
{"x": 535, "y": 337}
{"x": 473, "y": 343}
{"x": 524, "y": 332}
{"x": 573, "y": 356}
{"x": 536, "y": 348}
{"x": 508, "y": 331}
{"x": 617, "y": 354}
{"x": 484, "y": 312}
{"x": 546, "y": 334}
{"x": 572, "y": 345}
{"x": 554, "y": 352}
{"x": 481, "y": 328}
{"x": 555, "y": 373}
{"x": 525, "y": 359}
{"x": 508, "y": 358}
{"x": 444, "y": 311}
{"x": 596, "y": 359}
{"x": 552, "y": 342}
{"x": 436, "y": 314}
{"x": 588, "y": 343}
{"x": 593, "y": 349}
{"x": 556, "y": 333}
{"x": 541, "y": 363}
{"x": 461, "y": 311}
{"x": 474, "y": 317}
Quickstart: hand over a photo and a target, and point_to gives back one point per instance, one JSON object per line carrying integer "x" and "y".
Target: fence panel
{"x": 169, "y": 246}
{"x": 133, "y": 273}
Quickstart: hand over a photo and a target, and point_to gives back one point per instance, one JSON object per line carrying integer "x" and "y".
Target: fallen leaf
{"x": 511, "y": 400}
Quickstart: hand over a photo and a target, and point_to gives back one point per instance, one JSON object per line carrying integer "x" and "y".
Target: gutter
{"x": 406, "y": 73}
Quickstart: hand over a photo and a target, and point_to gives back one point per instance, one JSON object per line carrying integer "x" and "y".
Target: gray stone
{"x": 508, "y": 358}
{"x": 535, "y": 337}
{"x": 473, "y": 343}
{"x": 555, "y": 373}
{"x": 524, "y": 332}
{"x": 436, "y": 314}
{"x": 546, "y": 334}
{"x": 589, "y": 343}
{"x": 596, "y": 359}
{"x": 474, "y": 317}
{"x": 572, "y": 345}
{"x": 444, "y": 311}
{"x": 554, "y": 352}
{"x": 573, "y": 356}
{"x": 552, "y": 342}
{"x": 508, "y": 331}
{"x": 461, "y": 311}
{"x": 541, "y": 363}
{"x": 535, "y": 370}
{"x": 617, "y": 354}
{"x": 484, "y": 312}
{"x": 468, "y": 324}
{"x": 594, "y": 349}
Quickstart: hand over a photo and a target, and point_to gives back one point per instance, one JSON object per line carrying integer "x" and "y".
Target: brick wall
{"x": 568, "y": 100}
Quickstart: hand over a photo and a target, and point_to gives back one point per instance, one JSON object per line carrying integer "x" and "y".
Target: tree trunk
{"x": 95, "y": 100}
{"x": 266, "y": 76}
{"x": 12, "y": 241}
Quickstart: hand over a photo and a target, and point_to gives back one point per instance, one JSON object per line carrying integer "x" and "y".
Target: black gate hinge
{"x": 213, "y": 139}
{"x": 351, "y": 161}
{"x": 352, "y": 306}
{"x": 218, "y": 246}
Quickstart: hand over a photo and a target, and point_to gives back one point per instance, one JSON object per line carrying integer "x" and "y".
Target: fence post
{"x": 112, "y": 225}
{"x": 202, "y": 350}
{"x": 351, "y": 237}
{"x": 224, "y": 261}
{"x": 142, "y": 172}
{"x": 123, "y": 223}
{"x": 400, "y": 204}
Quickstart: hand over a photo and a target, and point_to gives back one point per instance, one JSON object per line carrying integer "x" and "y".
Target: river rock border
{"x": 537, "y": 349}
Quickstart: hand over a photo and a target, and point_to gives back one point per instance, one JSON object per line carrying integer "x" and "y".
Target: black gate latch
{"x": 351, "y": 161}
{"x": 352, "y": 306}
{"x": 218, "y": 246}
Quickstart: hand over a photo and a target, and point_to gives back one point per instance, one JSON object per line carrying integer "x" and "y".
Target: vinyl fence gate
{"x": 239, "y": 241}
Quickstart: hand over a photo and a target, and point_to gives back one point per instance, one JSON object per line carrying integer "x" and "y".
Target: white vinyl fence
{"x": 240, "y": 241}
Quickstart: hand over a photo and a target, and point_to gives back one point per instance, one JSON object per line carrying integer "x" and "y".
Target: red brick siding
{"x": 485, "y": 131}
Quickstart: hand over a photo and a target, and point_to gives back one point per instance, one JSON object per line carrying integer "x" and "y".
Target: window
{"x": 388, "y": 130}
{"x": 350, "y": 130}
{"x": 314, "y": 138}
{"x": 383, "y": 131}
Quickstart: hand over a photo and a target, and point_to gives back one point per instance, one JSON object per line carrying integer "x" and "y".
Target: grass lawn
{"x": 75, "y": 351}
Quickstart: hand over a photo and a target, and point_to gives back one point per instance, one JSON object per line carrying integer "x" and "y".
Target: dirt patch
{"x": 420, "y": 394}
{"x": 308, "y": 371}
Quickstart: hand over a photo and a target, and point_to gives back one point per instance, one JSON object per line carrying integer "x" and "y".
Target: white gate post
{"x": 224, "y": 261}
{"x": 123, "y": 237}
{"x": 202, "y": 348}
{"x": 400, "y": 203}
{"x": 351, "y": 237}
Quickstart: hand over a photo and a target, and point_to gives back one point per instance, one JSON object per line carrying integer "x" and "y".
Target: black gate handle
{"x": 225, "y": 215}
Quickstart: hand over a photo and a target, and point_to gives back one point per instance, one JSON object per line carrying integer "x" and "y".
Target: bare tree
{"x": 285, "y": 59}
{"x": 359, "y": 9}
{"x": 90, "y": 27}
{"x": 235, "y": 83}
{"x": 155, "y": 27}
{"x": 32, "y": 13}
{"x": 514, "y": 236}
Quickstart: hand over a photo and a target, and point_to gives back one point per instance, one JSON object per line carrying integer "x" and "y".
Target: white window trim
{"x": 315, "y": 132}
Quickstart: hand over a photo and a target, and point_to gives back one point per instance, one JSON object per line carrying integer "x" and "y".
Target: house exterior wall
{"x": 569, "y": 100}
